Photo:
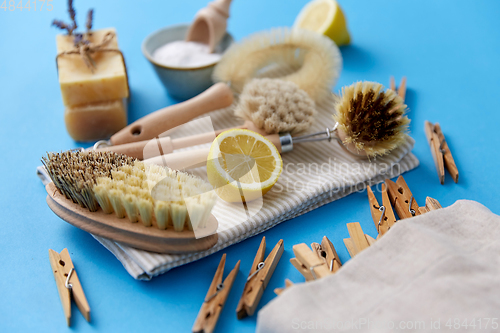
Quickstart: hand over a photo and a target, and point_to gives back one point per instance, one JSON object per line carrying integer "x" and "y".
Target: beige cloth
{"x": 441, "y": 269}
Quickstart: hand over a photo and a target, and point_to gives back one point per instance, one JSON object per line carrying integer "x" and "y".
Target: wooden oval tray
{"x": 132, "y": 234}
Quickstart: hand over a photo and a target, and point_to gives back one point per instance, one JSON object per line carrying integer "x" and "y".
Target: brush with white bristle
{"x": 371, "y": 120}
{"x": 154, "y": 195}
{"x": 276, "y": 106}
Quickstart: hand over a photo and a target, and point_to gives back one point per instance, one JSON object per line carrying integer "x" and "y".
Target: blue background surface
{"x": 449, "y": 50}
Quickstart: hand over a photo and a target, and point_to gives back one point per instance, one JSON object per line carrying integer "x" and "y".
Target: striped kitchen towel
{"x": 314, "y": 174}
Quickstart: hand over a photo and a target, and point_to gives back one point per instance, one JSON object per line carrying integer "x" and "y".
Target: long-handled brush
{"x": 369, "y": 122}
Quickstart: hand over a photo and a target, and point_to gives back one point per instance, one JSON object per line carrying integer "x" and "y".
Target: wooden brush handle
{"x": 160, "y": 146}
{"x": 132, "y": 234}
{"x": 275, "y": 139}
{"x": 216, "y": 97}
{"x": 182, "y": 160}
{"x": 196, "y": 157}
{"x": 154, "y": 147}
{"x": 202, "y": 138}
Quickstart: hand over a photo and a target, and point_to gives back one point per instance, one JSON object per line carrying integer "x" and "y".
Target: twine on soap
{"x": 85, "y": 48}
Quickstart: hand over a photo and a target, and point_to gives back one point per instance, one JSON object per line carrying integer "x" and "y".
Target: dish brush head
{"x": 75, "y": 173}
{"x": 276, "y": 106}
{"x": 310, "y": 60}
{"x": 371, "y": 119}
{"x": 156, "y": 196}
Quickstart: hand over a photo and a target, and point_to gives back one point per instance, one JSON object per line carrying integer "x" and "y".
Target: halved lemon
{"x": 324, "y": 17}
{"x": 243, "y": 165}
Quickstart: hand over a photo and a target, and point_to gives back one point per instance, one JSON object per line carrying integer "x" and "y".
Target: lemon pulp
{"x": 324, "y": 17}
{"x": 243, "y": 165}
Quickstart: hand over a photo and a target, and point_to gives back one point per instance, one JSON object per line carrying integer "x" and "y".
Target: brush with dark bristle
{"x": 371, "y": 120}
{"x": 75, "y": 173}
{"x": 154, "y": 195}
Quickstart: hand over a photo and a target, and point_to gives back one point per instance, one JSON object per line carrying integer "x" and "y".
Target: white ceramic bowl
{"x": 181, "y": 83}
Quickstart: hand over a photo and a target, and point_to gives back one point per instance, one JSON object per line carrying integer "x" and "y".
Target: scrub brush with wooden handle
{"x": 155, "y": 196}
{"x": 370, "y": 122}
{"x": 268, "y": 106}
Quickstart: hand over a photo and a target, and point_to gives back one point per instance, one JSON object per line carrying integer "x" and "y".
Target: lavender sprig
{"x": 78, "y": 39}
{"x": 63, "y": 26}
{"x": 72, "y": 14}
{"x": 90, "y": 18}
{"x": 60, "y": 24}
{"x": 70, "y": 28}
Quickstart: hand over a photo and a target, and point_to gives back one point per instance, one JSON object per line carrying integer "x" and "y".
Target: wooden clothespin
{"x": 402, "y": 199}
{"x": 302, "y": 269}
{"x": 319, "y": 262}
{"x": 383, "y": 216}
{"x": 215, "y": 299}
{"x": 68, "y": 284}
{"x": 430, "y": 205}
{"x": 402, "y": 87}
{"x": 325, "y": 252}
{"x": 288, "y": 284}
{"x": 258, "y": 278}
{"x": 358, "y": 241}
{"x": 440, "y": 151}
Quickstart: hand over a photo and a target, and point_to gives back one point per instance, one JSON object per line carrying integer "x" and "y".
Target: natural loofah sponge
{"x": 276, "y": 106}
{"x": 315, "y": 58}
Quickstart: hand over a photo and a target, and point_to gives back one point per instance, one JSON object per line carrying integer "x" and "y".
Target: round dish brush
{"x": 371, "y": 121}
{"x": 276, "y": 106}
{"x": 315, "y": 58}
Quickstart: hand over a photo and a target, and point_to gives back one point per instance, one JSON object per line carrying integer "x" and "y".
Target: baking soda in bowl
{"x": 182, "y": 54}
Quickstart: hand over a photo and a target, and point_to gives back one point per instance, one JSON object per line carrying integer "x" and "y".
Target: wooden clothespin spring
{"x": 317, "y": 263}
{"x": 216, "y": 298}
{"x": 68, "y": 284}
{"x": 258, "y": 278}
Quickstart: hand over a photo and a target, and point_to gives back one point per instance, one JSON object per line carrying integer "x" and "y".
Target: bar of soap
{"x": 96, "y": 121}
{"x": 79, "y": 85}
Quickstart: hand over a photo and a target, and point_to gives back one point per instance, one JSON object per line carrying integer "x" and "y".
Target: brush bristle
{"x": 156, "y": 196}
{"x": 151, "y": 194}
{"x": 75, "y": 173}
{"x": 372, "y": 119}
{"x": 314, "y": 58}
{"x": 276, "y": 106}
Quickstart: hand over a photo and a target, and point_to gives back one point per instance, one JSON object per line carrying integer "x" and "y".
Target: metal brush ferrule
{"x": 328, "y": 134}
{"x": 102, "y": 144}
{"x": 286, "y": 142}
